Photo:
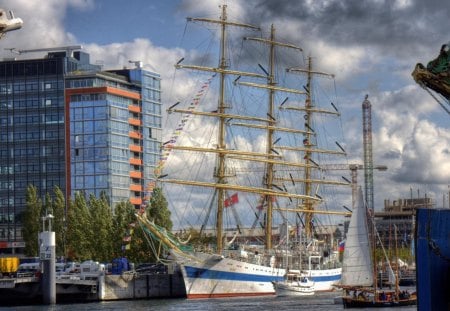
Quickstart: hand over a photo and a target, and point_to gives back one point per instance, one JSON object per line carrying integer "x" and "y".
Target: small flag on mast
{"x": 231, "y": 200}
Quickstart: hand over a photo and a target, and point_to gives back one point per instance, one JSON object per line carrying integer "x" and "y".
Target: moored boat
{"x": 359, "y": 274}
{"x": 295, "y": 284}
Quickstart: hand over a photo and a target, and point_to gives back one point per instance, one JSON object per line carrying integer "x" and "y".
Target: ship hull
{"x": 432, "y": 258}
{"x": 213, "y": 276}
{"x": 325, "y": 279}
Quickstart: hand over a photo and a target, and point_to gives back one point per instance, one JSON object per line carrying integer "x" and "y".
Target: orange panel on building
{"x": 134, "y": 108}
{"x": 135, "y": 174}
{"x": 136, "y": 187}
{"x": 136, "y": 201}
{"x": 134, "y": 134}
{"x": 135, "y": 161}
{"x": 135, "y": 122}
{"x": 135, "y": 148}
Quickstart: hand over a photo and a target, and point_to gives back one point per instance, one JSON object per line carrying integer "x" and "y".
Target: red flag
{"x": 231, "y": 200}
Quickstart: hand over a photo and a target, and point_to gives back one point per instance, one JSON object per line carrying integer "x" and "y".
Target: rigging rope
{"x": 432, "y": 95}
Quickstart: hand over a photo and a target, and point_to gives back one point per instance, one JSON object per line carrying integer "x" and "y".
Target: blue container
{"x": 119, "y": 265}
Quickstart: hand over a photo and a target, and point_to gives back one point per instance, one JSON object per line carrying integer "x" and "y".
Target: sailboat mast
{"x": 307, "y": 144}
{"x": 221, "y": 134}
{"x": 397, "y": 289}
{"x": 370, "y": 219}
{"x": 270, "y": 131}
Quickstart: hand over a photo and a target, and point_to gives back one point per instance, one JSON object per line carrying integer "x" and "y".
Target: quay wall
{"x": 140, "y": 286}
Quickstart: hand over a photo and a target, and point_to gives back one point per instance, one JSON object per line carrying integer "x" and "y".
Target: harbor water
{"x": 318, "y": 302}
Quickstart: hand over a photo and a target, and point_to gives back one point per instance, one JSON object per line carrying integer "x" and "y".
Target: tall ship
{"x": 250, "y": 153}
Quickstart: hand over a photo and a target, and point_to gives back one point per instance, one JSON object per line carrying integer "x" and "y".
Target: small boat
{"x": 295, "y": 284}
{"x": 359, "y": 274}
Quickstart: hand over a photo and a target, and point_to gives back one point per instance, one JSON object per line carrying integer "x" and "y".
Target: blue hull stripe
{"x": 193, "y": 272}
{"x": 326, "y": 278}
{"x": 198, "y": 273}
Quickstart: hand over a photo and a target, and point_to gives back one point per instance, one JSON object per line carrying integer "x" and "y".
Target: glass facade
{"x": 115, "y": 133}
{"x": 32, "y": 136}
{"x": 114, "y": 127}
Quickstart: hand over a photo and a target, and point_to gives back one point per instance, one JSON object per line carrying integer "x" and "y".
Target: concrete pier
{"x": 78, "y": 288}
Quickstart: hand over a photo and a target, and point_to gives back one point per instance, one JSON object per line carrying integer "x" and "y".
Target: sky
{"x": 371, "y": 46}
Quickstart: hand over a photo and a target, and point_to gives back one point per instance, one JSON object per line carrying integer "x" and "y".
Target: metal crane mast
{"x": 368, "y": 160}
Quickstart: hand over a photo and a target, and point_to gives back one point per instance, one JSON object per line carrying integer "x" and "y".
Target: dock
{"x": 95, "y": 287}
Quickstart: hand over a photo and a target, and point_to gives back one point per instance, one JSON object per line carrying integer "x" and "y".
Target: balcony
{"x": 135, "y": 148}
{"x": 136, "y": 200}
{"x": 136, "y": 174}
{"x": 136, "y": 187}
{"x": 135, "y": 161}
{"x": 134, "y": 121}
{"x": 134, "y": 108}
{"x": 135, "y": 134}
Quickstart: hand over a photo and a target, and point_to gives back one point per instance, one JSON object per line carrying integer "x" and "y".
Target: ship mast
{"x": 221, "y": 136}
{"x": 308, "y": 145}
{"x": 269, "y": 157}
{"x": 222, "y": 69}
{"x": 271, "y": 126}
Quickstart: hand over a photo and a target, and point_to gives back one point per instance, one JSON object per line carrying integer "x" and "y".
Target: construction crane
{"x": 354, "y": 175}
{"x": 68, "y": 49}
{"x": 367, "y": 145}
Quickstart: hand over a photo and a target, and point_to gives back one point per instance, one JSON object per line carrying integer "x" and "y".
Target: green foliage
{"x": 102, "y": 228}
{"x": 89, "y": 229}
{"x": 158, "y": 210}
{"x": 32, "y": 221}
{"x": 142, "y": 248}
{"x": 79, "y": 229}
{"x": 57, "y": 208}
{"x": 123, "y": 217}
{"x": 404, "y": 254}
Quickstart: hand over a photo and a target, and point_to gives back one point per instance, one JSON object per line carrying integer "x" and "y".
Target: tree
{"x": 102, "y": 227}
{"x": 124, "y": 223}
{"x": 158, "y": 210}
{"x": 32, "y": 222}
{"x": 142, "y": 247}
{"x": 59, "y": 221}
{"x": 79, "y": 229}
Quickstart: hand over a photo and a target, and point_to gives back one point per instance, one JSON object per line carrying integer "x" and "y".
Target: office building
{"x": 65, "y": 122}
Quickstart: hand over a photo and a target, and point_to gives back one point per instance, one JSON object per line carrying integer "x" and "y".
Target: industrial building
{"x": 66, "y": 122}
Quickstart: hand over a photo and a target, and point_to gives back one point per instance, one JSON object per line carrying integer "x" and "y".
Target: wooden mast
{"x": 220, "y": 175}
{"x": 271, "y": 126}
{"x": 223, "y": 71}
{"x": 269, "y": 147}
{"x": 308, "y": 145}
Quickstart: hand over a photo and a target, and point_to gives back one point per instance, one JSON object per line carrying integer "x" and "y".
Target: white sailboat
{"x": 251, "y": 269}
{"x": 359, "y": 275}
